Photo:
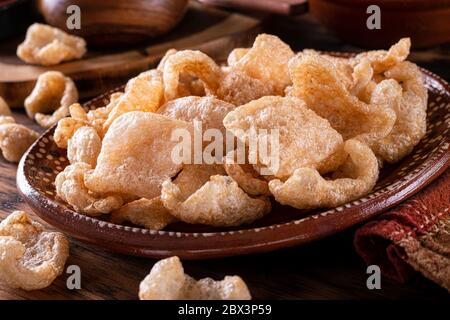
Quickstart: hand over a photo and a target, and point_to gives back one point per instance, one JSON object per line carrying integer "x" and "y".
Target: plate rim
{"x": 145, "y": 242}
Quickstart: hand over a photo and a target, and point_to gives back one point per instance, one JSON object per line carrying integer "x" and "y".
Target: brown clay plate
{"x": 283, "y": 227}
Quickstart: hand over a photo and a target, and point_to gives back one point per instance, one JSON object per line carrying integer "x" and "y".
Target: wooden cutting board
{"x": 213, "y": 31}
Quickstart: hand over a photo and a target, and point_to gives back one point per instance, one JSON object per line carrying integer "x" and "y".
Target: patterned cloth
{"x": 415, "y": 236}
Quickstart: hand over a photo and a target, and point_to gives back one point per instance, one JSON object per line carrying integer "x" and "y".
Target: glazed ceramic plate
{"x": 283, "y": 227}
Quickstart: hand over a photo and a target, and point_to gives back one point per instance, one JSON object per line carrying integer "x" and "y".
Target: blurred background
{"x": 127, "y": 37}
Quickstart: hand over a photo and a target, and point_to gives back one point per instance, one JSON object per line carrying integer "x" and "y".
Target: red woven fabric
{"x": 377, "y": 242}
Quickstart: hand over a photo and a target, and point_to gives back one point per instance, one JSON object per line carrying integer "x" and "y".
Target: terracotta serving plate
{"x": 283, "y": 227}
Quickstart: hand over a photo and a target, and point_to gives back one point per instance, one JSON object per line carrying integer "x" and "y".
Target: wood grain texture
{"x": 213, "y": 31}
{"x": 327, "y": 269}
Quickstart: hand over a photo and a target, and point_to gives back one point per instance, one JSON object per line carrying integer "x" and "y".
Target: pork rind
{"x": 150, "y": 214}
{"x": 382, "y": 60}
{"x": 317, "y": 82}
{"x": 136, "y": 155}
{"x": 6, "y": 119}
{"x": 48, "y": 46}
{"x": 235, "y": 55}
{"x": 238, "y": 88}
{"x": 30, "y": 258}
{"x": 84, "y": 146}
{"x": 142, "y": 93}
{"x": 4, "y": 108}
{"x": 15, "y": 138}
{"x": 219, "y": 202}
{"x": 167, "y": 281}
{"x": 305, "y": 139}
{"x": 362, "y": 77}
{"x": 70, "y": 187}
{"x": 209, "y": 110}
{"x": 97, "y": 117}
{"x": 307, "y": 189}
{"x": 411, "y": 110}
{"x": 188, "y": 85}
{"x": 194, "y": 63}
{"x": 193, "y": 176}
{"x": 245, "y": 175}
{"x": 65, "y": 130}
{"x": 267, "y": 61}
{"x": 53, "y": 91}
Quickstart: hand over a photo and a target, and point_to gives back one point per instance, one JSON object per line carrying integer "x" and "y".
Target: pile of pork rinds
{"x": 339, "y": 120}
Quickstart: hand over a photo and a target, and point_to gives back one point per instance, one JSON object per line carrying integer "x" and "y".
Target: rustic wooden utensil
{"x": 283, "y": 227}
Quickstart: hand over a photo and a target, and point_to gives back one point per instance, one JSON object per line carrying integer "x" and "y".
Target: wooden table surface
{"x": 326, "y": 269}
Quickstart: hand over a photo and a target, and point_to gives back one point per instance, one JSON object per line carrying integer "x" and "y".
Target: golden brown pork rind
{"x": 48, "y": 46}
{"x": 30, "y": 258}
{"x": 238, "y": 88}
{"x": 307, "y": 189}
{"x": 84, "y": 146}
{"x": 195, "y": 63}
{"x": 382, "y": 60}
{"x": 142, "y": 93}
{"x": 219, "y": 202}
{"x": 411, "y": 111}
{"x": 235, "y": 55}
{"x": 53, "y": 91}
{"x": 136, "y": 155}
{"x": 317, "y": 82}
{"x": 65, "y": 130}
{"x": 150, "y": 214}
{"x": 245, "y": 175}
{"x": 193, "y": 176}
{"x": 167, "y": 281}
{"x": 70, "y": 187}
{"x": 267, "y": 61}
{"x": 209, "y": 110}
{"x": 300, "y": 132}
{"x": 15, "y": 138}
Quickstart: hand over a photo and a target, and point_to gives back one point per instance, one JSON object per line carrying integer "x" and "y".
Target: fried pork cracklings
{"x": 336, "y": 120}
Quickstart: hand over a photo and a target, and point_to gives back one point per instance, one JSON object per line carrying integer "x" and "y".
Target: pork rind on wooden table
{"x": 53, "y": 92}
{"x": 167, "y": 281}
{"x": 30, "y": 257}
{"x": 15, "y": 138}
{"x": 47, "y": 46}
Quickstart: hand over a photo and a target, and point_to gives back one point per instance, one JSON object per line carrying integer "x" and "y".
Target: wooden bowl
{"x": 113, "y": 23}
{"x": 15, "y": 16}
{"x": 427, "y": 22}
{"x": 283, "y": 227}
